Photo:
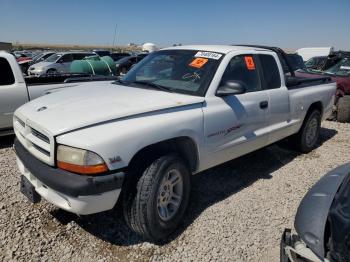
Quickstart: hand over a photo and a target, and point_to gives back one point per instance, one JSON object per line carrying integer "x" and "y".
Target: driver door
{"x": 237, "y": 124}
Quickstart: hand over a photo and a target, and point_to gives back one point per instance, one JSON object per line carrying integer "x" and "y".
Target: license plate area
{"x": 28, "y": 190}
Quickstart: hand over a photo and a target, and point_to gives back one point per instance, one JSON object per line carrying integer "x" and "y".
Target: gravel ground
{"x": 237, "y": 213}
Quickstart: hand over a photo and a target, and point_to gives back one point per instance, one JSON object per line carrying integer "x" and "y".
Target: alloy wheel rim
{"x": 170, "y": 195}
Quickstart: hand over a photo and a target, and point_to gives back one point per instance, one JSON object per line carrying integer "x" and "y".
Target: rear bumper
{"x": 75, "y": 193}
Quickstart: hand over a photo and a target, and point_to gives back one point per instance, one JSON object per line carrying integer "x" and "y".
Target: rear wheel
{"x": 154, "y": 205}
{"x": 305, "y": 140}
{"x": 343, "y": 109}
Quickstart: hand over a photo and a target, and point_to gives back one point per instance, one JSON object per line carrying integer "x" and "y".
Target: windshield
{"x": 342, "y": 68}
{"x": 37, "y": 56}
{"x": 53, "y": 58}
{"x": 182, "y": 71}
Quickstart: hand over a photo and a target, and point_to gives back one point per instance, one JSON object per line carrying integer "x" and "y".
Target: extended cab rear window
{"x": 6, "y": 74}
{"x": 270, "y": 71}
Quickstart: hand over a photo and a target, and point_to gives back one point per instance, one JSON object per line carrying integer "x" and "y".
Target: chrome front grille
{"x": 41, "y": 150}
{"x": 20, "y": 122}
{"x": 38, "y": 142}
{"x": 39, "y": 135}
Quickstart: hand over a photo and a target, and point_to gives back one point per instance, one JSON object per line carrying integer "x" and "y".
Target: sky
{"x": 287, "y": 24}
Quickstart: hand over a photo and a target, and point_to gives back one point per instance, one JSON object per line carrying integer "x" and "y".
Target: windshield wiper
{"x": 153, "y": 85}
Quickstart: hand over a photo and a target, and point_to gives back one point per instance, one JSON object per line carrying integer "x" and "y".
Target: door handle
{"x": 264, "y": 104}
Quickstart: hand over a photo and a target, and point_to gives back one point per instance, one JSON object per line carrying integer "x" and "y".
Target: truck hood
{"x": 94, "y": 103}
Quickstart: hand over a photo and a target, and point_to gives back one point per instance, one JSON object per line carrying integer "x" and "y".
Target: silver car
{"x": 57, "y": 63}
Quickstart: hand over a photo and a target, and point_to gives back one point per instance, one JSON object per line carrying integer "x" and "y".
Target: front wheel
{"x": 156, "y": 206}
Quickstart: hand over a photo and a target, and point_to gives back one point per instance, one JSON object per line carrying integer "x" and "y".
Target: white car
{"x": 57, "y": 63}
{"x": 179, "y": 111}
{"x": 15, "y": 90}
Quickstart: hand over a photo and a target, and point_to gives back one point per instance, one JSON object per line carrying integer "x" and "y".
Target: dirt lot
{"x": 238, "y": 211}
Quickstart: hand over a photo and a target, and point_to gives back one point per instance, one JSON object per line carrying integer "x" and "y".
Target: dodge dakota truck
{"x": 178, "y": 112}
{"x": 15, "y": 90}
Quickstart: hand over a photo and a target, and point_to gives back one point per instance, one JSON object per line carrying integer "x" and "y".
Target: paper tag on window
{"x": 210, "y": 55}
{"x": 198, "y": 62}
{"x": 249, "y": 62}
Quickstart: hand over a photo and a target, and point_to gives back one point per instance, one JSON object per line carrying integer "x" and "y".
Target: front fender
{"x": 118, "y": 141}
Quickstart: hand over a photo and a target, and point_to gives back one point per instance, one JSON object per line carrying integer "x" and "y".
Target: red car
{"x": 339, "y": 71}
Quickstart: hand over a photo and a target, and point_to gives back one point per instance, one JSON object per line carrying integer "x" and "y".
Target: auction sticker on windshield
{"x": 210, "y": 55}
{"x": 198, "y": 62}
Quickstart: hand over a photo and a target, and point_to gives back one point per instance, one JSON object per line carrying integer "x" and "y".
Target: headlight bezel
{"x": 80, "y": 161}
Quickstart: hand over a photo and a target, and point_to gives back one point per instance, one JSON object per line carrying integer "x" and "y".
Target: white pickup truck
{"x": 15, "y": 90}
{"x": 179, "y": 111}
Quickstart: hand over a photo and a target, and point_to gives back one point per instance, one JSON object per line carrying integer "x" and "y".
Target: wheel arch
{"x": 315, "y": 106}
{"x": 184, "y": 146}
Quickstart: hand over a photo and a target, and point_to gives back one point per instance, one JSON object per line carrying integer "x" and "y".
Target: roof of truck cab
{"x": 214, "y": 48}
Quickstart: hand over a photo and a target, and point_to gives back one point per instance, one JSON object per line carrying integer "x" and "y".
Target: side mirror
{"x": 231, "y": 87}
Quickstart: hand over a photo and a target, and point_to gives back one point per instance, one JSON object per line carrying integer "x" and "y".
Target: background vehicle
{"x": 322, "y": 222}
{"x": 41, "y": 57}
{"x": 118, "y": 56}
{"x": 179, "y": 111}
{"x": 309, "y": 52}
{"x": 57, "y": 63}
{"x": 24, "y": 60}
{"x": 123, "y": 65}
{"x": 15, "y": 90}
{"x": 101, "y": 52}
{"x": 316, "y": 63}
{"x": 336, "y": 66}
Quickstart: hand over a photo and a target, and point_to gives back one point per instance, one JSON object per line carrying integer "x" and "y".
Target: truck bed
{"x": 295, "y": 82}
{"x": 65, "y": 78}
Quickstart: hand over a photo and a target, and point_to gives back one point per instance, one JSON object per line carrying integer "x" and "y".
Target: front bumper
{"x": 79, "y": 194}
{"x": 293, "y": 249}
{"x": 35, "y": 72}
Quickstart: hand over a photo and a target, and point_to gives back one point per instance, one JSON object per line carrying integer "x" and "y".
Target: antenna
{"x": 115, "y": 34}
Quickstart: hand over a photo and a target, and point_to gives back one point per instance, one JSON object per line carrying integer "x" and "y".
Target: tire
{"x": 343, "y": 109}
{"x": 145, "y": 199}
{"x": 306, "y": 139}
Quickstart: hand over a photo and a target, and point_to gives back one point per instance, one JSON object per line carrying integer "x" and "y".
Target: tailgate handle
{"x": 264, "y": 104}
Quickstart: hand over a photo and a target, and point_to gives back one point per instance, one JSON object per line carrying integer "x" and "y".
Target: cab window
{"x": 6, "y": 75}
{"x": 270, "y": 72}
{"x": 242, "y": 68}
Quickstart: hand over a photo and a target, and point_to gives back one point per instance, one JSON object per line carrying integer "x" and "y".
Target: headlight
{"x": 80, "y": 161}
